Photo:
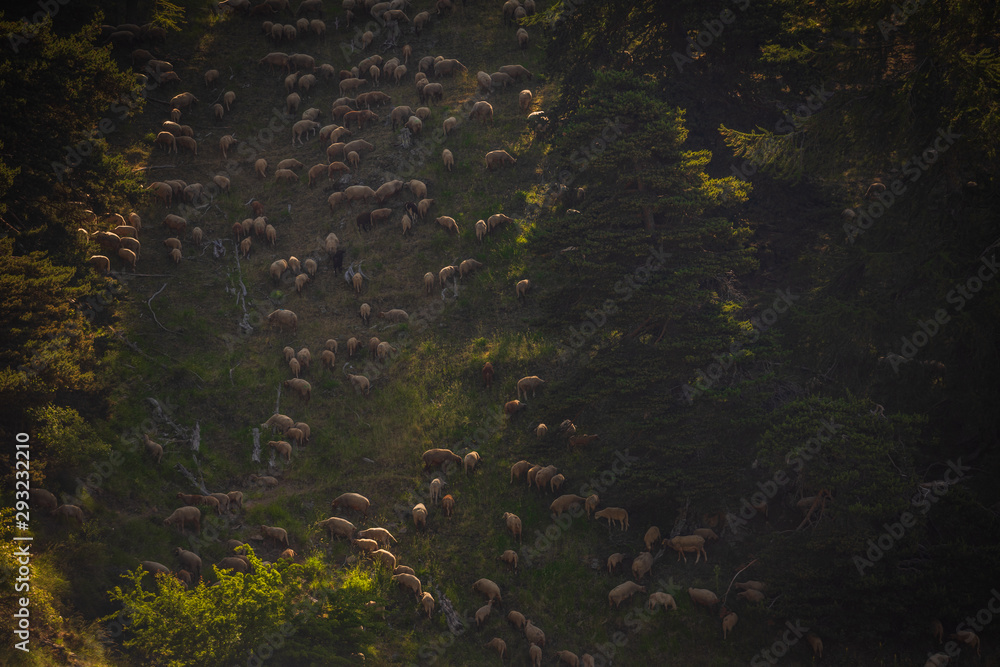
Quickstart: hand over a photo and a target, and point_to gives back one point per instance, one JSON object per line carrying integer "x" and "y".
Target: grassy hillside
{"x": 191, "y": 351}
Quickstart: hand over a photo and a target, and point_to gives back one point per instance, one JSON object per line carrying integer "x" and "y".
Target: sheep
{"x": 468, "y": 266}
{"x": 126, "y": 231}
{"x": 128, "y": 256}
{"x": 498, "y": 158}
{"x": 337, "y": 526}
{"x": 522, "y": 38}
{"x": 229, "y": 97}
{"x": 100, "y": 263}
{"x": 218, "y": 111}
{"x": 394, "y": 315}
{"x": 432, "y": 92}
{"x": 516, "y": 619}
{"x": 497, "y": 219}
{"x": 286, "y": 175}
{"x": 423, "y": 206}
{"x": 501, "y": 79}
{"x": 260, "y": 167}
{"x": 190, "y": 561}
{"x": 445, "y": 273}
{"x": 518, "y": 469}
{"x": 482, "y": 110}
{"x": 481, "y": 230}
{"x": 513, "y": 523}
{"x": 516, "y": 72}
{"x": 301, "y": 387}
{"x": 510, "y": 557}
{"x": 687, "y": 543}
{"x": 511, "y": 408}
{"x": 155, "y": 449}
{"x": 183, "y": 515}
{"x": 613, "y": 514}
{"x": 816, "y": 644}
{"x": 69, "y": 512}
{"x": 271, "y": 234}
{"x": 428, "y": 282}
{"x": 358, "y": 192}
{"x": 498, "y": 645}
{"x": 154, "y": 568}
{"x": 938, "y": 660}
{"x": 407, "y": 224}
{"x": 751, "y": 595}
{"x": 264, "y": 480}
{"x": 233, "y": 563}
{"x": 651, "y": 537}
{"x": 614, "y": 560}
{"x": 283, "y": 422}
{"x": 301, "y": 427}
{"x": 235, "y": 499}
{"x": 280, "y": 446}
{"x": 367, "y": 546}
{"x": 535, "y": 653}
{"x": 703, "y": 597}
{"x": 707, "y": 533}
{"x": 470, "y": 461}
{"x": 42, "y": 499}
{"x": 449, "y": 124}
{"x": 380, "y": 535}
{"x": 642, "y": 564}
{"x": 435, "y": 457}
{"x": 283, "y": 318}
{"x": 555, "y": 484}
{"x": 403, "y": 569}
{"x": 565, "y": 502}
{"x": 411, "y": 582}
{"x": 488, "y": 588}
{"x": 279, "y": 535}
{"x": 728, "y": 623}
{"x": 623, "y": 592}
{"x": 569, "y": 658}
{"x": 521, "y": 289}
{"x": 483, "y": 613}
{"x": 352, "y": 501}
{"x": 352, "y": 346}
{"x": 937, "y": 630}
{"x": 188, "y": 143}
{"x": 310, "y": 267}
{"x": 531, "y": 382}
{"x": 435, "y": 489}
{"x": 524, "y": 100}
{"x": 420, "y": 515}
{"x": 660, "y": 599}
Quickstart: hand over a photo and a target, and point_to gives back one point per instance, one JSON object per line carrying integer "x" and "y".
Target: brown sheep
{"x": 613, "y": 514}
{"x": 565, "y": 502}
{"x": 511, "y": 408}
{"x": 352, "y": 501}
{"x": 432, "y": 458}
{"x": 420, "y": 515}
{"x": 183, "y": 515}
{"x": 337, "y": 526}
{"x": 513, "y": 523}
{"x": 687, "y": 543}
{"x": 281, "y": 447}
{"x": 623, "y": 592}
{"x": 591, "y": 504}
{"x": 279, "y": 535}
{"x": 301, "y": 387}
{"x": 518, "y": 469}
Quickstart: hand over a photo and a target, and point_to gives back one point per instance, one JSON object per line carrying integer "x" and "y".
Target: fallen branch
{"x": 734, "y": 579}
{"x": 149, "y": 304}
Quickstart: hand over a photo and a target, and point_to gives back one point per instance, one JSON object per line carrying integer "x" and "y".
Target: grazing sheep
{"x": 235, "y": 499}
{"x": 337, "y": 526}
{"x": 521, "y": 289}
{"x": 522, "y": 38}
{"x": 498, "y": 158}
{"x": 651, "y": 537}
{"x": 613, "y": 514}
{"x": 435, "y": 489}
{"x": 498, "y": 645}
{"x": 427, "y": 602}
{"x": 751, "y": 595}
{"x": 280, "y": 446}
{"x": 483, "y": 111}
{"x": 703, "y": 597}
{"x": 531, "y": 383}
{"x": 510, "y": 557}
{"x": 301, "y": 387}
{"x": 488, "y": 588}
{"x": 69, "y": 512}
{"x": 295, "y": 435}
{"x": 660, "y": 599}
{"x": 484, "y": 81}
{"x": 642, "y": 564}
{"x": 100, "y": 263}
{"x": 394, "y": 315}
{"x": 468, "y": 266}
{"x": 403, "y": 569}
{"x": 623, "y": 592}
{"x": 449, "y": 124}
{"x": 279, "y": 535}
{"x": 483, "y": 613}
{"x": 470, "y": 461}
{"x": 565, "y": 502}
{"x": 518, "y": 469}
{"x": 367, "y": 546}
{"x": 229, "y": 98}
{"x": 817, "y": 645}
{"x": 293, "y": 363}
{"x": 535, "y": 653}
{"x": 569, "y": 658}
{"x": 516, "y": 619}
{"x": 282, "y": 422}
{"x": 687, "y": 543}
{"x": 155, "y": 450}
{"x": 283, "y": 318}
{"x": 435, "y": 457}
{"x": 154, "y": 568}
{"x": 448, "y": 159}
{"x": 233, "y": 563}
{"x": 420, "y": 515}
{"x": 728, "y": 623}
{"x": 555, "y": 484}
{"x": 614, "y": 560}
{"x": 511, "y": 408}
{"x": 423, "y": 206}
{"x": 409, "y": 581}
{"x": 183, "y": 515}
{"x": 352, "y": 501}
{"x": 128, "y": 256}
{"x": 260, "y": 167}
{"x": 524, "y": 100}
{"x": 44, "y": 500}
{"x": 190, "y": 561}
{"x": 513, "y": 523}
{"x": 481, "y": 230}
